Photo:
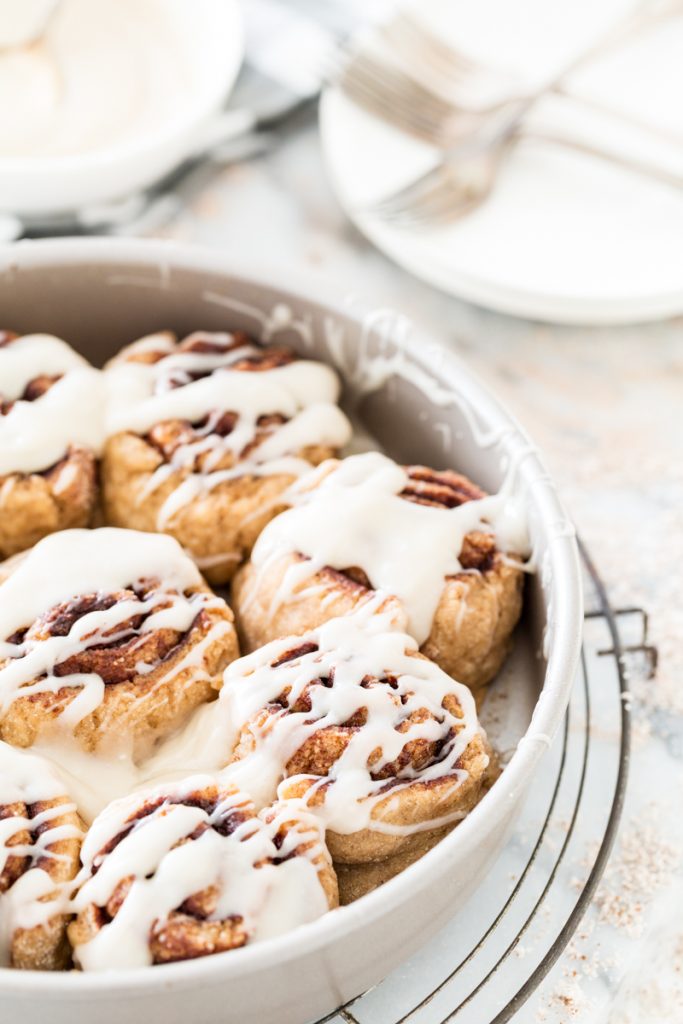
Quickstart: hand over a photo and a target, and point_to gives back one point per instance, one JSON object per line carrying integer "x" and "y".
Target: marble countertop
{"x": 606, "y": 407}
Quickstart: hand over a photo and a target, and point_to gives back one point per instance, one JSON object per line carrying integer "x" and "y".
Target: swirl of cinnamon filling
{"x": 431, "y": 538}
{"x": 48, "y": 478}
{"x": 40, "y": 834}
{"x": 123, "y": 663}
{"x": 374, "y": 738}
{"x": 189, "y": 869}
{"x": 211, "y": 430}
{"x": 212, "y": 350}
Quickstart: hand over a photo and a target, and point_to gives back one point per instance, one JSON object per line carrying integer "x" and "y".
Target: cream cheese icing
{"x": 74, "y": 563}
{"x": 27, "y": 780}
{"x": 35, "y": 435}
{"x": 170, "y": 854}
{"x": 351, "y": 514}
{"x": 142, "y": 395}
{"x": 331, "y": 671}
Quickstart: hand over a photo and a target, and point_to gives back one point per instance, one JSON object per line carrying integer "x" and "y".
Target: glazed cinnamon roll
{"x": 433, "y": 539}
{"x": 353, "y": 721}
{"x": 189, "y": 869}
{"x": 110, "y": 635}
{"x": 205, "y": 434}
{"x": 51, "y": 429}
{"x": 40, "y": 838}
{"x": 355, "y": 880}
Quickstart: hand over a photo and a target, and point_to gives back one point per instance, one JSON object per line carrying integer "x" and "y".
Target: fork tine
{"x": 397, "y": 98}
{"x": 382, "y": 107}
{"x": 404, "y": 84}
{"x": 407, "y": 32}
{"x": 414, "y": 217}
{"x": 466, "y": 82}
{"x": 412, "y": 194}
{"x": 435, "y": 207}
{"x": 432, "y": 204}
{"x": 446, "y": 201}
{"x": 399, "y": 87}
{"x": 401, "y": 119}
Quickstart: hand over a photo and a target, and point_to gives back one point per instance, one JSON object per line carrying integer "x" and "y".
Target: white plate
{"x": 564, "y": 237}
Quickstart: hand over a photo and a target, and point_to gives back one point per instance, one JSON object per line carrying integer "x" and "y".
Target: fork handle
{"x": 564, "y": 90}
{"x": 643, "y": 168}
{"x": 645, "y": 15}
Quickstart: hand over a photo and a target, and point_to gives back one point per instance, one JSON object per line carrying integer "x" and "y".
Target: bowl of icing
{"x": 419, "y": 403}
{"x": 108, "y": 97}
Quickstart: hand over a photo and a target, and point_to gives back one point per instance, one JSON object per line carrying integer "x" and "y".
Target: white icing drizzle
{"x": 26, "y": 780}
{"x": 31, "y": 355}
{"x": 379, "y": 356}
{"x": 143, "y": 395}
{"x": 76, "y": 563}
{"x": 347, "y": 651}
{"x": 35, "y": 435}
{"x": 95, "y": 779}
{"x": 350, "y": 514}
{"x": 270, "y": 898}
{"x": 278, "y": 319}
{"x": 176, "y": 366}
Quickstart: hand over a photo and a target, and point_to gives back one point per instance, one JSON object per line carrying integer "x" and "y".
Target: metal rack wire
{"x": 485, "y": 965}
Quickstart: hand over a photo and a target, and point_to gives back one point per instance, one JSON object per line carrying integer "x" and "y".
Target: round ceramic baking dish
{"x": 421, "y": 403}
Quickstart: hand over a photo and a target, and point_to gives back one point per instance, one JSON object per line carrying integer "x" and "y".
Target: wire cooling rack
{"x": 482, "y": 968}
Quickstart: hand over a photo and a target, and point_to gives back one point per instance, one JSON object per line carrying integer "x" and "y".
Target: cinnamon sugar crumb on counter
{"x": 595, "y": 967}
{"x": 644, "y": 864}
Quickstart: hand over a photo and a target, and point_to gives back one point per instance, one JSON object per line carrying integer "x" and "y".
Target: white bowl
{"x": 211, "y": 40}
{"x": 98, "y": 294}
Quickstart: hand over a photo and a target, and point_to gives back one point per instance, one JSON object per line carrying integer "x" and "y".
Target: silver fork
{"x": 472, "y": 158}
{"x": 416, "y": 45}
{"x": 457, "y": 185}
{"x": 395, "y": 96}
{"x": 394, "y": 93}
{"x": 475, "y": 142}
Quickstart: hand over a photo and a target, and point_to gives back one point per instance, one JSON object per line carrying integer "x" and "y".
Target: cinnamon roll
{"x": 205, "y": 434}
{"x": 366, "y": 732}
{"x": 189, "y": 869}
{"x": 433, "y": 539}
{"x": 355, "y": 880}
{"x": 51, "y": 429}
{"x": 108, "y": 634}
{"x": 40, "y": 838}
